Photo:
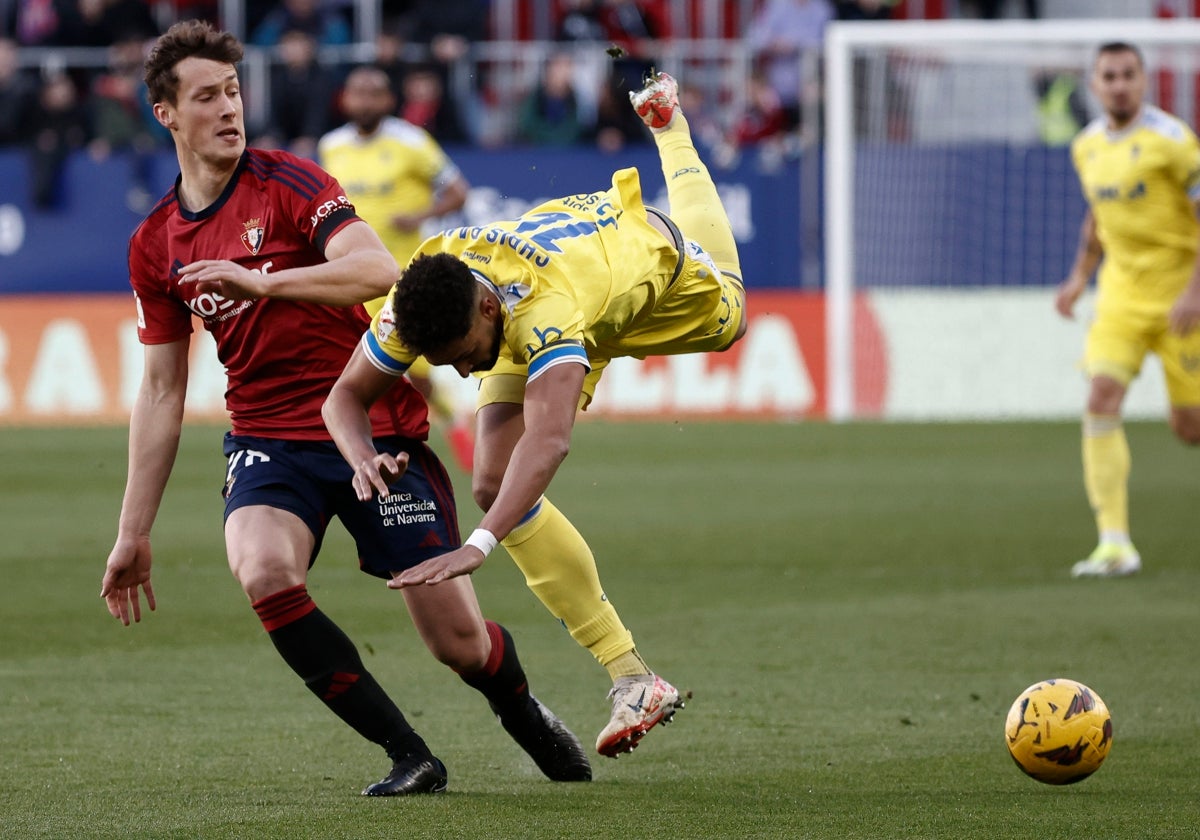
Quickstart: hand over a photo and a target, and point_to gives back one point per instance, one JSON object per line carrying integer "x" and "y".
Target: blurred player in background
{"x": 398, "y": 178}
{"x": 538, "y": 306}
{"x": 265, "y": 248}
{"x": 1140, "y": 172}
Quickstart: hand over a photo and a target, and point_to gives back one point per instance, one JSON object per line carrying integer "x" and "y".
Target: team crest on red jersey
{"x": 254, "y": 235}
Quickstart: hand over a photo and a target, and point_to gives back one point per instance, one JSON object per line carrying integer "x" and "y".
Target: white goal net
{"x": 952, "y": 209}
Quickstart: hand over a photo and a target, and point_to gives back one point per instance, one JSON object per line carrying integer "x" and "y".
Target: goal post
{"x": 945, "y": 193}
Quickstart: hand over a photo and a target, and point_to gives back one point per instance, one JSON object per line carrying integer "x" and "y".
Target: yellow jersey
{"x": 1140, "y": 183}
{"x": 397, "y": 169}
{"x": 577, "y": 275}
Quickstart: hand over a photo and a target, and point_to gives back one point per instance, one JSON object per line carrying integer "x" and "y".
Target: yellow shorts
{"x": 700, "y": 312}
{"x": 1118, "y": 342}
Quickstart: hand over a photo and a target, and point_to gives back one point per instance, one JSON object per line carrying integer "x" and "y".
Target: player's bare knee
{"x": 1105, "y": 396}
{"x": 464, "y": 652}
{"x": 260, "y": 578}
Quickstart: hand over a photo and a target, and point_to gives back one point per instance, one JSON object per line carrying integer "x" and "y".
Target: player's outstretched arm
{"x": 1087, "y": 259}
{"x": 1185, "y": 312}
{"x": 357, "y": 268}
{"x": 448, "y": 199}
{"x": 549, "y": 413}
{"x": 154, "y": 427}
{"x": 349, "y": 424}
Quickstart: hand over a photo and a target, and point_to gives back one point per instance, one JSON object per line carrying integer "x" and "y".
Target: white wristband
{"x": 482, "y": 539}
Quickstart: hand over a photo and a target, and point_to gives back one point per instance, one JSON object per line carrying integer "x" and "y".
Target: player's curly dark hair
{"x": 434, "y": 302}
{"x": 186, "y": 39}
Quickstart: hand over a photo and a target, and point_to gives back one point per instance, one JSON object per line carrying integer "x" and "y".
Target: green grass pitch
{"x": 854, "y": 608}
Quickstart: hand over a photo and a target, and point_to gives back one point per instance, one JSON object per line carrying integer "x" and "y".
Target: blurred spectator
{"x": 447, "y": 29}
{"x": 761, "y": 128}
{"x": 635, "y": 29}
{"x": 44, "y": 23}
{"x": 551, "y": 114}
{"x": 1062, "y": 105}
{"x": 764, "y": 117}
{"x": 209, "y": 10}
{"x": 324, "y": 25}
{"x": 302, "y": 92}
{"x": 581, "y": 21}
{"x": 617, "y": 124}
{"x": 59, "y": 127}
{"x": 104, "y": 22}
{"x": 778, "y": 36}
{"x": 703, "y": 115}
{"x": 865, "y": 9}
{"x": 425, "y": 105}
{"x": 635, "y": 25}
{"x": 18, "y": 96}
{"x": 390, "y": 56}
{"x": 122, "y": 120}
{"x": 81, "y": 23}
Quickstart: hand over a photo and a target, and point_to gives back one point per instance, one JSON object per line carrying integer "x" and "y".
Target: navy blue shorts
{"x": 312, "y": 480}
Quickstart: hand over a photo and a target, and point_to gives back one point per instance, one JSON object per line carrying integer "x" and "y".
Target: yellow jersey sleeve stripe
{"x": 379, "y": 358}
{"x": 558, "y": 354}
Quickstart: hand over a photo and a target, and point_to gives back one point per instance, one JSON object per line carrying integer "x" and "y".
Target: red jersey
{"x": 281, "y": 357}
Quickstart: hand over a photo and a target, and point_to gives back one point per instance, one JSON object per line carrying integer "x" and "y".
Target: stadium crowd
{"x": 69, "y": 69}
{"x": 470, "y": 72}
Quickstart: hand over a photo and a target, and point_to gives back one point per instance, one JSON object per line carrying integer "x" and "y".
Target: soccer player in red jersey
{"x": 265, "y": 249}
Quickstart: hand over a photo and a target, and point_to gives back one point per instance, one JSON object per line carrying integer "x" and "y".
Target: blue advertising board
{"x": 80, "y": 245}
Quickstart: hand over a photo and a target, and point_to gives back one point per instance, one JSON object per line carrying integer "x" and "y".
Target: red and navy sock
{"x": 325, "y": 658}
{"x": 502, "y": 679}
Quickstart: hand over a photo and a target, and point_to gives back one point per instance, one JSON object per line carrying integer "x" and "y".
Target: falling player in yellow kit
{"x": 1140, "y": 172}
{"x": 537, "y": 307}
{"x": 397, "y": 177}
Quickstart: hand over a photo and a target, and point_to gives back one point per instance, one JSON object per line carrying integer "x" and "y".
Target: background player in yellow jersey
{"x": 398, "y": 178}
{"x": 538, "y": 306}
{"x": 1140, "y": 172}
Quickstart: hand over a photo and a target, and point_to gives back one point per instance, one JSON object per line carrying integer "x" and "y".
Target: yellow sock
{"x": 559, "y": 568}
{"x": 628, "y": 665}
{"x": 695, "y": 205}
{"x": 1106, "y": 465}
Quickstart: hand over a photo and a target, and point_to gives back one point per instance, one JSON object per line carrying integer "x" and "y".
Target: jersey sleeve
{"x": 381, "y": 346}
{"x": 319, "y": 206}
{"x": 161, "y": 316}
{"x": 1077, "y": 159}
{"x": 546, "y": 329}
{"x": 1186, "y": 163}
{"x": 436, "y": 166}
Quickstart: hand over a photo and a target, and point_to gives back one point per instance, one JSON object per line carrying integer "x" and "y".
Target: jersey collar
{"x": 211, "y": 209}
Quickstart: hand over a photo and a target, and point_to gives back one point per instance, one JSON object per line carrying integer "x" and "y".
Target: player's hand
{"x": 1185, "y": 314}
{"x": 225, "y": 278}
{"x": 1068, "y": 293}
{"x": 461, "y": 561}
{"x": 128, "y": 568}
{"x": 374, "y": 476}
{"x": 407, "y": 222}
